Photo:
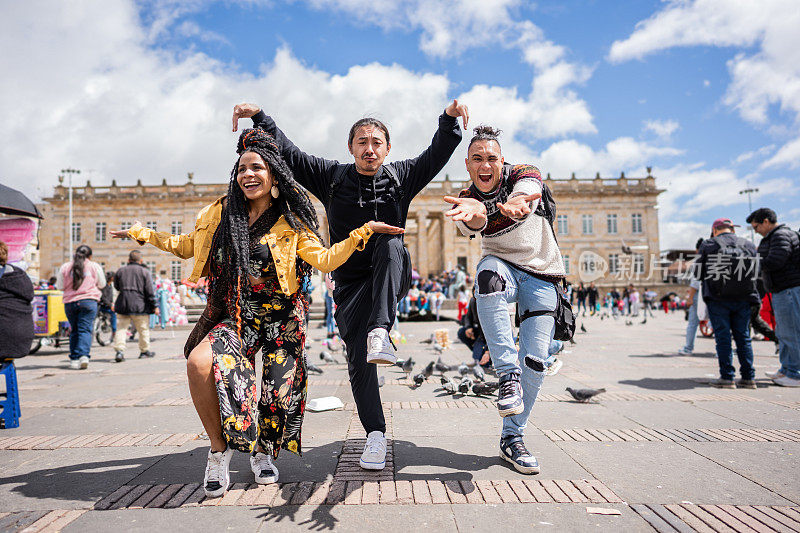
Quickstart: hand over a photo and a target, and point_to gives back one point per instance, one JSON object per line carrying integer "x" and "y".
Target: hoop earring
{"x": 275, "y": 191}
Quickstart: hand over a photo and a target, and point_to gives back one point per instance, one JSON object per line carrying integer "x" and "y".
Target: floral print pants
{"x": 274, "y": 323}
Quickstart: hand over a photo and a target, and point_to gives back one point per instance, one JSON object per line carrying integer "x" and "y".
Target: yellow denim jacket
{"x": 285, "y": 245}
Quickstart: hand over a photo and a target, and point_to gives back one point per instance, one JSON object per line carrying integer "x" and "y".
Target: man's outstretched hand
{"x": 518, "y": 206}
{"x": 467, "y": 210}
{"x": 243, "y": 111}
{"x": 457, "y": 110}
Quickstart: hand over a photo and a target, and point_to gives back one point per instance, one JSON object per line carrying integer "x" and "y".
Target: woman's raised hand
{"x": 121, "y": 233}
{"x": 381, "y": 227}
{"x": 243, "y": 111}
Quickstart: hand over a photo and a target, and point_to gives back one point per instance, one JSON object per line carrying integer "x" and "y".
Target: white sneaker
{"x": 684, "y": 351}
{"x": 775, "y": 375}
{"x": 265, "y": 470}
{"x": 74, "y": 364}
{"x": 786, "y": 381}
{"x": 379, "y": 348}
{"x": 374, "y": 456}
{"x": 218, "y": 476}
{"x": 83, "y": 361}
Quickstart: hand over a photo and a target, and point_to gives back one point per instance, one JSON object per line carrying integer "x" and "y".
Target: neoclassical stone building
{"x": 595, "y": 218}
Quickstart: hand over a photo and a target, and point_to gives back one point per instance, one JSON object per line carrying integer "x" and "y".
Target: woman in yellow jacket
{"x": 257, "y": 246}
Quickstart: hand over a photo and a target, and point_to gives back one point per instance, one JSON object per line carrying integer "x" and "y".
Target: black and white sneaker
{"x": 265, "y": 470}
{"x": 119, "y": 357}
{"x": 509, "y": 397}
{"x": 513, "y": 450}
{"x": 218, "y": 476}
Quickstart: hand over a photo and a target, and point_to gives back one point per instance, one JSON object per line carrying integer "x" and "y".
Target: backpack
{"x": 341, "y": 171}
{"x": 730, "y": 272}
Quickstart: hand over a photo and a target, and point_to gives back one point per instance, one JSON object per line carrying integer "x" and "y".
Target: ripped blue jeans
{"x": 498, "y": 284}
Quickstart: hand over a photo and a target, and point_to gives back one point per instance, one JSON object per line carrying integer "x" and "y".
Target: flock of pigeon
{"x": 469, "y": 379}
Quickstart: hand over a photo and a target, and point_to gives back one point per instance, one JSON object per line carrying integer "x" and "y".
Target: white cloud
{"x": 662, "y": 128}
{"x": 761, "y": 79}
{"x": 747, "y": 156}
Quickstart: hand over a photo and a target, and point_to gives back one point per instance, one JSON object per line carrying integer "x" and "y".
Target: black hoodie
{"x": 359, "y": 198}
{"x": 16, "y": 313}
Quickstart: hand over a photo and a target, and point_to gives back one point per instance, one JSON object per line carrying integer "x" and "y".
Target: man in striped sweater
{"x": 520, "y": 263}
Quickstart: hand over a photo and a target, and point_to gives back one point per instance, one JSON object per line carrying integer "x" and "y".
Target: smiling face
{"x": 253, "y": 176}
{"x": 369, "y": 148}
{"x": 485, "y": 164}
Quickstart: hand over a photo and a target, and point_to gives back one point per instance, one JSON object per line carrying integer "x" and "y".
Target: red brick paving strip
{"x": 318, "y": 493}
{"x": 571, "y": 491}
{"x": 266, "y": 495}
{"x": 487, "y": 491}
{"x": 726, "y": 518}
{"x": 405, "y": 494}
{"x": 52, "y": 523}
{"x": 106, "y": 502}
{"x": 554, "y": 491}
{"x": 352, "y": 493}
{"x": 454, "y": 491}
{"x": 505, "y": 491}
{"x": 335, "y": 493}
{"x": 370, "y": 493}
{"x": 388, "y": 494}
{"x": 130, "y": 497}
{"x": 538, "y": 491}
{"x": 164, "y": 496}
{"x": 438, "y": 491}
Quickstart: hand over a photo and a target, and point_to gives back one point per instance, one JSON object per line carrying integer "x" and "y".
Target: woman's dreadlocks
{"x": 230, "y": 249}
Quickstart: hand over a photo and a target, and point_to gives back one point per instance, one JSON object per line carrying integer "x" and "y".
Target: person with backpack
{"x": 728, "y": 268}
{"x": 779, "y": 251}
{"x": 369, "y": 284}
{"x": 521, "y": 262}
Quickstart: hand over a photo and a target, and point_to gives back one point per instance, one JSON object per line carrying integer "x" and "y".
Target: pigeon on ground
{"x": 438, "y": 348}
{"x": 583, "y": 328}
{"x": 463, "y": 369}
{"x": 584, "y": 395}
{"x": 428, "y": 372}
{"x": 419, "y": 379}
{"x": 429, "y": 340}
{"x": 485, "y": 388}
{"x": 629, "y": 322}
{"x": 327, "y": 357}
{"x": 406, "y": 364}
{"x": 478, "y": 372}
{"x": 465, "y": 387}
{"x": 312, "y": 368}
{"x": 449, "y": 386}
{"x": 441, "y": 367}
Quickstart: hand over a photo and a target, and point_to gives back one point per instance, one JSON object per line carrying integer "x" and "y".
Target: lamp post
{"x": 749, "y": 191}
{"x": 69, "y": 172}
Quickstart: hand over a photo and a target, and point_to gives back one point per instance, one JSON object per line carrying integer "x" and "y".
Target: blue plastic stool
{"x": 11, "y": 408}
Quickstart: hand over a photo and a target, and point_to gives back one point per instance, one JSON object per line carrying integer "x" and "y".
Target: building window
{"x": 563, "y": 224}
{"x": 76, "y": 232}
{"x": 100, "y": 232}
{"x": 124, "y": 226}
{"x": 152, "y": 224}
{"x": 176, "y": 270}
{"x": 611, "y": 222}
{"x": 462, "y": 262}
{"x": 152, "y": 266}
{"x": 613, "y": 263}
{"x": 588, "y": 224}
{"x": 636, "y": 222}
{"x": 566, "y": 264}
{"x": 638, "y": 264}
{"x": 176, "y": 227}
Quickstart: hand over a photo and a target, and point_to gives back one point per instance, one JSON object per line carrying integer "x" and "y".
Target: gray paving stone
{"x": 756, "y": 414}
{"x": 673, "y": 415}
{"x": 647, "y": 472}
{"x": 189, "y": 520}
{"x": 774, "y": 465}
{"x": 477, "y": 457}
{"x": 553, "y": 517}
{"x": 69, "y": 478}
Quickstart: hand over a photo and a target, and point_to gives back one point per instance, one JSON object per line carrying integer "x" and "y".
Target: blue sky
{"x": 705, "y": 91}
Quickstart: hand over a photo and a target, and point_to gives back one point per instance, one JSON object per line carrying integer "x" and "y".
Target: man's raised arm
{"x": 310, "y": 171}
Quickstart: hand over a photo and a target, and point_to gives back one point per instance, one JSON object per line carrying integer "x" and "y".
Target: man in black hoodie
{"x": 728, "y": 270}
{"x": 780, "y": 268}
{"x": 370, "y": 283}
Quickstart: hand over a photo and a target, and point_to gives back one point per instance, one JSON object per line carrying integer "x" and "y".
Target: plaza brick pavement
{"x": 118, "y": 447}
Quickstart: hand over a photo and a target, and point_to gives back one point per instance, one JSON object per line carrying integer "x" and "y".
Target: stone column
{"x": 448, "y": 231}
{"x": 422, "y": 243}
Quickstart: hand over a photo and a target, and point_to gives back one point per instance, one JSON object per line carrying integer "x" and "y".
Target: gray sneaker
{"x": 509, "y": 396}
{"x": 720, "y": 383}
